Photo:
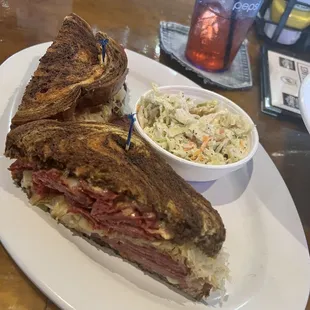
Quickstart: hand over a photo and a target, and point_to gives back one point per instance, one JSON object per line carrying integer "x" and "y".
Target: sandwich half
{"x": 76, "y": 79}
{"x": 131, "y": 201}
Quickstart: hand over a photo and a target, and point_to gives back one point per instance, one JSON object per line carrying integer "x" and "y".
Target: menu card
{"x": 282, "y": 76}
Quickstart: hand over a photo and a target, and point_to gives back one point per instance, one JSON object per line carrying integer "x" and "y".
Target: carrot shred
{"x": 205, "y": 142}
{"x": 189, "y": 146}
{"x": 196, "y": 154}
{"x": 200, "y": 157}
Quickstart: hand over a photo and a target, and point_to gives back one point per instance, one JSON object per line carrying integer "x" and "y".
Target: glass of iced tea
{"x": 217, "y": 31}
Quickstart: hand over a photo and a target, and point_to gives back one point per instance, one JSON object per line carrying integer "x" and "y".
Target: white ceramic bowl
{"x": 192, "y": 171}
{"x": 304, "y": 101}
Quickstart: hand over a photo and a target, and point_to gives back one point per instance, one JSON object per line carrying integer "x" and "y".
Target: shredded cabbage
{"x": 114, "y": 106}
{"x": 205, "y": 132}
{"x": 214, "y": 269}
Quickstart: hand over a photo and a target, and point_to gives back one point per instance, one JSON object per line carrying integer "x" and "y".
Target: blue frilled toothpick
{"x": 103, "y": 43}
{"x": 132, "y": 120}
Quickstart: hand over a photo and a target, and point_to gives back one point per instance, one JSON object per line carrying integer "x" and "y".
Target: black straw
{"x": 230, "y": 35}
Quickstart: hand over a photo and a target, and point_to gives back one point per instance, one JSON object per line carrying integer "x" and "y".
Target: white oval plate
{"x": 304, "y": 101}
{"x": 269, "y": 259}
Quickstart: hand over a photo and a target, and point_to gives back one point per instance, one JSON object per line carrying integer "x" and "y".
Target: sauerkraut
{"x": 114, "y": 106}
{"x": 214, "y": 269}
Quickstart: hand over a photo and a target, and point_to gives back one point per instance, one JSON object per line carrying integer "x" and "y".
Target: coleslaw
{"x": 204, "y": 133}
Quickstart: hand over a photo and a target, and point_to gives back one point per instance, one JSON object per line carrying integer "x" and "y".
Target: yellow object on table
{"x": 299, "y": 17}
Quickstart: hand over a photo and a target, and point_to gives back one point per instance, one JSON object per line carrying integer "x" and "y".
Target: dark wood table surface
{"x": 134, "y": 23}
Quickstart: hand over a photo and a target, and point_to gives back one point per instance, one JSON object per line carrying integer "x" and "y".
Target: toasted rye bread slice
{"x": 73, "y": 72}
{"x": 96, "y": 152}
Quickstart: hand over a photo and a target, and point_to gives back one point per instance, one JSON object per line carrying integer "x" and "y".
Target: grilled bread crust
{"x": 96, "y": 152}
{"x": 73, "y": 72}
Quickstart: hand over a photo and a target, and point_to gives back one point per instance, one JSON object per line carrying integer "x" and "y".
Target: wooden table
{"x": 134, "y": 23}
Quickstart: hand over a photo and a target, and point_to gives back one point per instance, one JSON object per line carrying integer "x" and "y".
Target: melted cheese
{"x": 162, "y": 231}
{"x": 72, "y": 182}
{"x": 60, "y": 210}
{"x": 26, "y": 181}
